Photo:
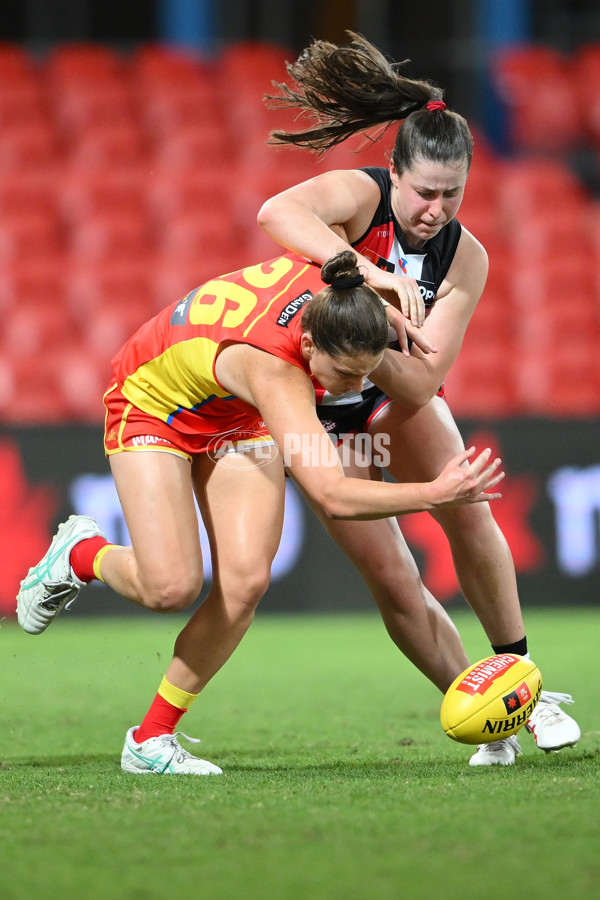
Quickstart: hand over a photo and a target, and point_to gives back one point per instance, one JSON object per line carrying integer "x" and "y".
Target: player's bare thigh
{"x": 156, "y": 495}
{"x": 421, "y": 444}
{"x": 242, "y": 497}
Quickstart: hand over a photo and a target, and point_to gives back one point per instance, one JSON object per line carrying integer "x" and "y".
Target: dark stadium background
{"x": 523, "y": 73}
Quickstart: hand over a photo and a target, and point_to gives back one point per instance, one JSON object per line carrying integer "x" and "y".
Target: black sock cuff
{"x": 519, "y": 647}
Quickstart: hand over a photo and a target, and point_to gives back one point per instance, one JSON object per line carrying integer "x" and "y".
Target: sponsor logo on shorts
{"x": 289, "y": 311}
{"x": 149, "y": 440}
{"x": 482, "y": 677}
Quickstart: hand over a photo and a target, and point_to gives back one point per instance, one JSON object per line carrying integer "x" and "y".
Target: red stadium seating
{"x": 110, "y": 235}
{"x": 29, "y": 235}
{"x": 28, "y": 145}
{"x": 129, "y": 178}
{"x": 82, "y": 106}
{"x": 99, "y": 146}
{"x": 89, "y": 192}
{"x": 535, "y": 84}
{"x": 585, "y": 76}
{"x": 82, "y": 62}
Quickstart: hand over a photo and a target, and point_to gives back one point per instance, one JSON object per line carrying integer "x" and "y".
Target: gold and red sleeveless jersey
{"x": 167, "y": 368}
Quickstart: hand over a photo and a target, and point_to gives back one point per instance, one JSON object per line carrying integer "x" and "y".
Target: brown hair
{"x": 345, "y": 90}
{"x": 346, "y": 321}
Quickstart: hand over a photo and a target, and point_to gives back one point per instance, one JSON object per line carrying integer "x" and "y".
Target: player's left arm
{"x": 414, "y": 380}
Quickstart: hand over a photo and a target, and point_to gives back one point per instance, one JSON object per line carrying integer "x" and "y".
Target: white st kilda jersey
{"x": 384, "y": 244}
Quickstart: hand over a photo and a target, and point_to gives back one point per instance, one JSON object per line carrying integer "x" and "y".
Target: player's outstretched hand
{"x": 463, "y": 482}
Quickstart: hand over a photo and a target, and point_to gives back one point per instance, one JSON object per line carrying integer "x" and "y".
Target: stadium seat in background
{"x": 175, "y": 191}
{"x": 565, "y": 383}
{"x": 198, "y": 234}
{"x": 16, "y": 63}
{"x": 108, "y": 327}
{"x": 110, "y": 235}
{"x": 30, "y": 190}
{"x": 83, "y": 62}
{"x": 247, "y": 70}
{"x": 79, "y": 106}
{"x": 585, "y": 77}
{"x": 100, "y": 147}
{"x": 88, "y": 288}
{"x": 540, "y": 236}
{"x": 204, "y": 145}
{"x": 532, "y": 186}
{"x": 22, "y": 283}
{"x": 166, "y": 108}
{"x": 154, "y": 66}
{"x": 36, "y": 397}
{"x": 108, "y": 300}
{"x": 481, "y": 382}
{"x": 88, "y": 192}
{"x": 35, "y": 326}
{"x": 28, "y": 145}
{"x": 22, "y": 102}
{"x": 81, "y": 382}
{"x": 535, "y": 84}
{"x": 29, "y": 236}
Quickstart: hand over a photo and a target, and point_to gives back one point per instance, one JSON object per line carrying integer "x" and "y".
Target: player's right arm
{"x": 284, "y": 396}
{"x": 317, "y": 219}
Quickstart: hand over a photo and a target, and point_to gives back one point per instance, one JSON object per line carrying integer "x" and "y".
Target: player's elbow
{"x": 333, "y": 505}
{"x": 267, "y": 214}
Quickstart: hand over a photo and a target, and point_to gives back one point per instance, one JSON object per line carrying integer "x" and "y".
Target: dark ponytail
{"x": 345, "y": 90}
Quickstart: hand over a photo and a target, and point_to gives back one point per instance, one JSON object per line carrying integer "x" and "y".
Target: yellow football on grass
{"x": 491, "y": 700}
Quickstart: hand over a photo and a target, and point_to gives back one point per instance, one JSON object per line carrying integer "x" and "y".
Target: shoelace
{"x": 548, "y": 711}
{"x": 551, "y": 697}
{"x": 178, "y": 751}
{"x": 59, "y": 594}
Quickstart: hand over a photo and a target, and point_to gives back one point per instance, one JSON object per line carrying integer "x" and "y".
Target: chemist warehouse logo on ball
{"x": 482, "y": 677}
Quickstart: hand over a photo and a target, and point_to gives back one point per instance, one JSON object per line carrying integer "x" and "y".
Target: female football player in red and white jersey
{"x": 401, "y": 220}
{"x": 215, "y": 396}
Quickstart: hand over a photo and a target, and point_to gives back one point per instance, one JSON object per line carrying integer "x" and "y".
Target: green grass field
{"x": 339, "y": 782}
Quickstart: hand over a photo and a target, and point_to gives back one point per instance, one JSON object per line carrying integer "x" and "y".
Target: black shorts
{"x": 353, "y": 418}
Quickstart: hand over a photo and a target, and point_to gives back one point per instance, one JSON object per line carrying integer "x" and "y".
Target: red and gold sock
{"x": 86, "y": 557}
{"x": 165, "y": 711}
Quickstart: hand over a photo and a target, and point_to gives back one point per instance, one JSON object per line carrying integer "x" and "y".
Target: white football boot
{"x": 497, "y": 753}
{"x": 551, "y": 727}
{"x": 52, "y": 584}
{"x": 163, "y": 755}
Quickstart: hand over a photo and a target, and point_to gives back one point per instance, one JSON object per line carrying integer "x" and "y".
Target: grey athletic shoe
{"x": 163, "y": 755}
{"x": 52, "y": 584}
{"x": 497, "y": 753}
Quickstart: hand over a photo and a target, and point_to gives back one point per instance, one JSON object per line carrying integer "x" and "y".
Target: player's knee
{"x": 172, "y": 595}
{"x": 248, "y": 588}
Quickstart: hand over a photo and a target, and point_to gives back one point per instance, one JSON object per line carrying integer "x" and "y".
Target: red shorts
{"x": 128, "y": 428}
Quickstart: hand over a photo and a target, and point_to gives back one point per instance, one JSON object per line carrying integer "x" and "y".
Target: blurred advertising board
{"x": 549, "y": 513}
